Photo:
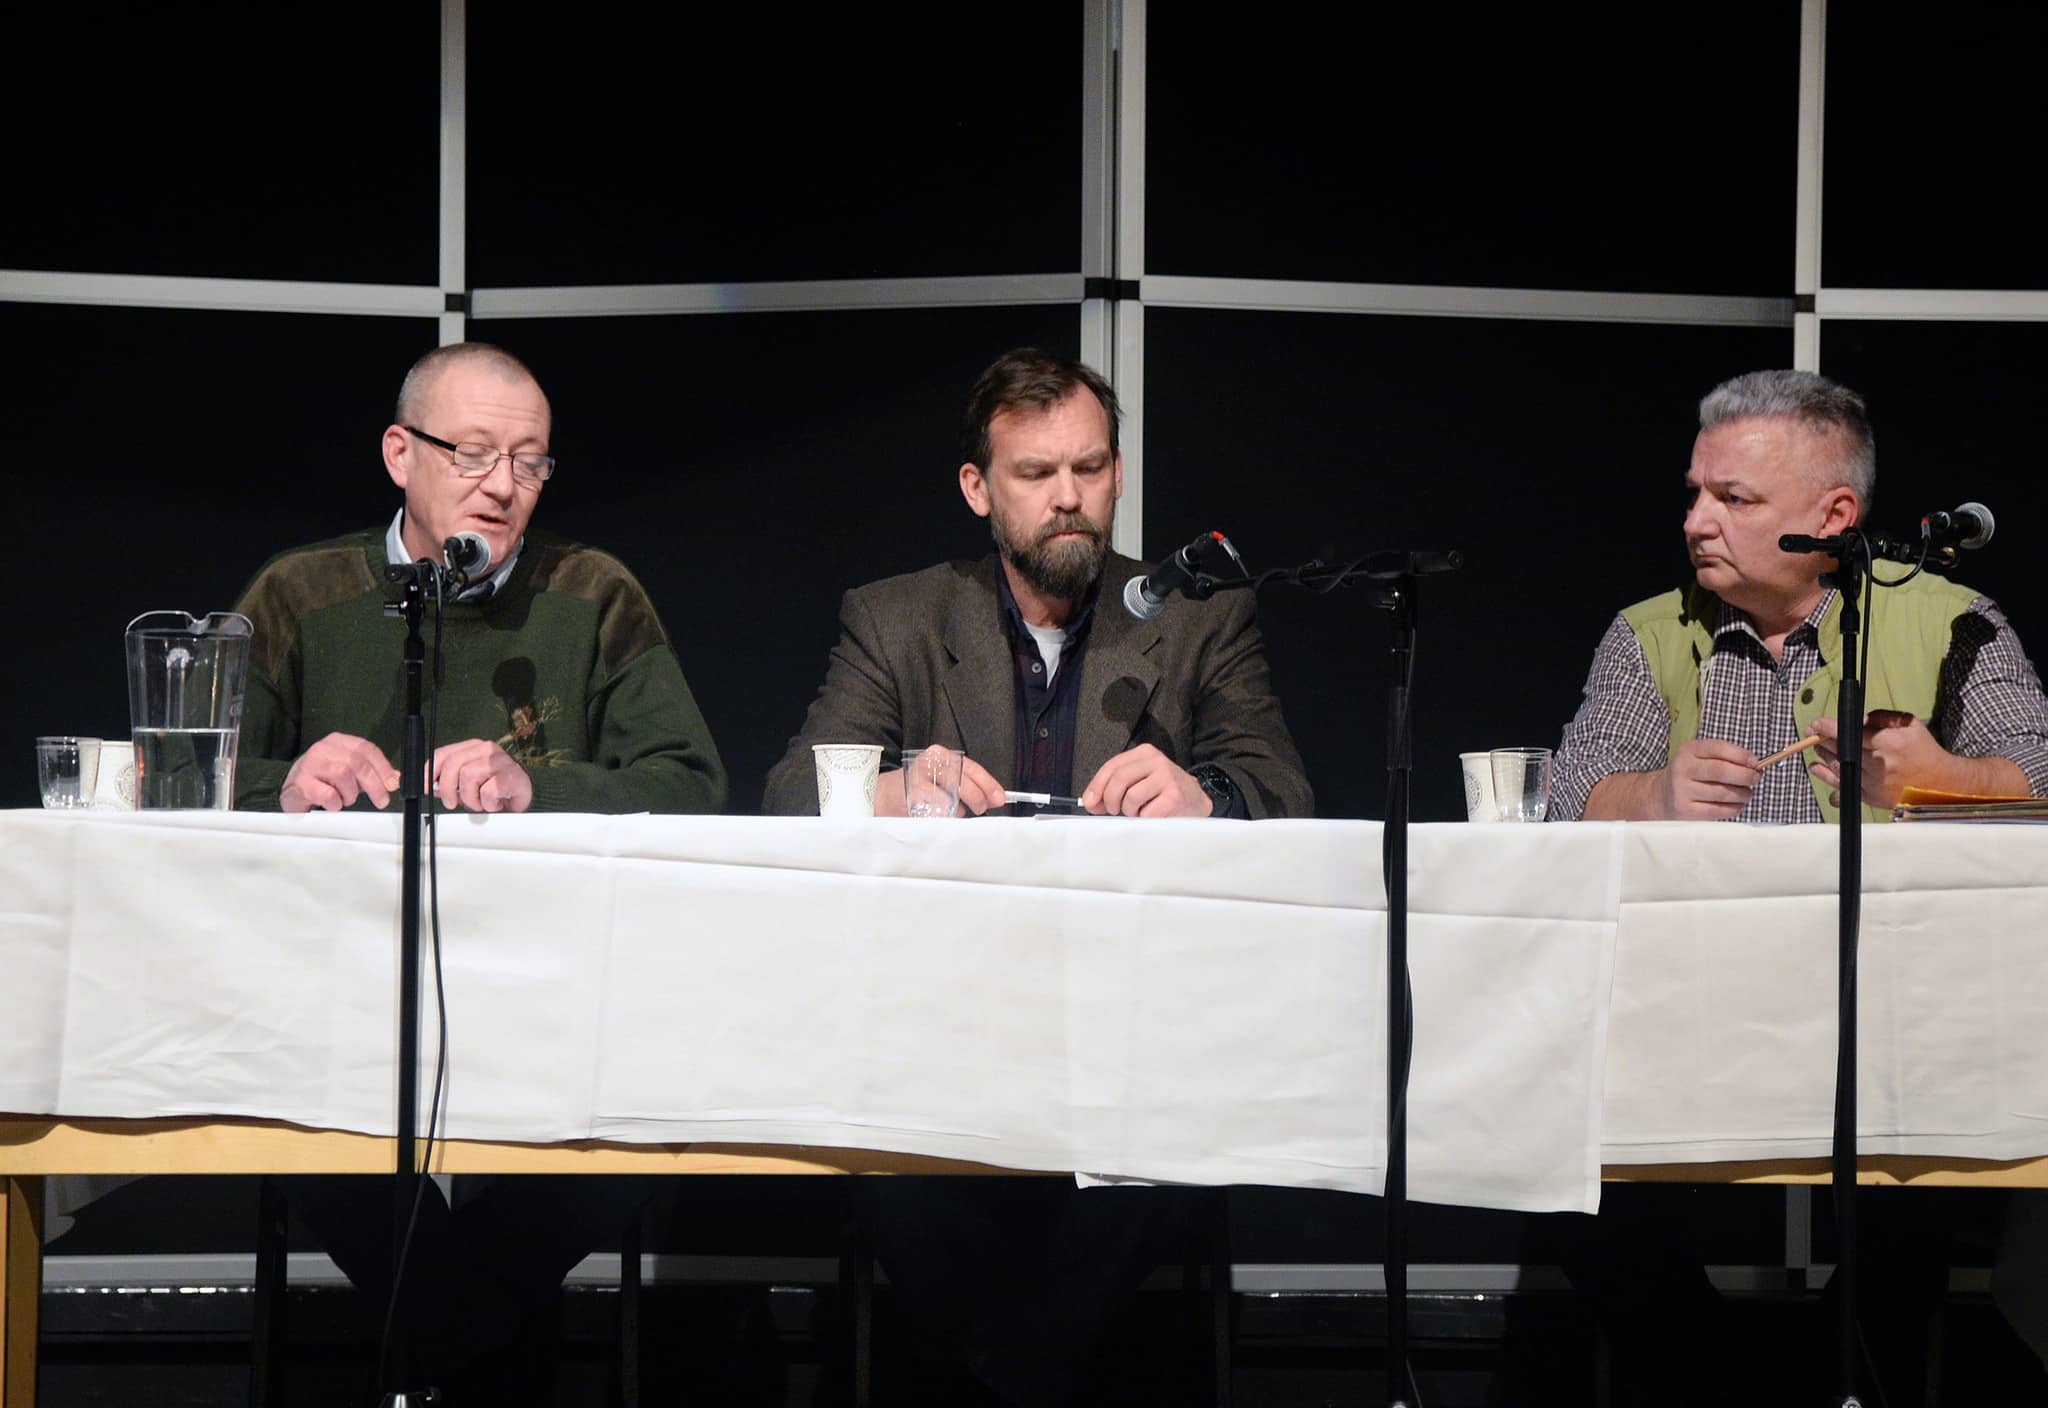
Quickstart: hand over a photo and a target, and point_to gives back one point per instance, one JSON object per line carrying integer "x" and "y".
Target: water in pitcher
{"x": 185, "y": 767}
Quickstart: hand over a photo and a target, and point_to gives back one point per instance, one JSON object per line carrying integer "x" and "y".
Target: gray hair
{"x": 419, "y": 382}
{"x": 1825, "y": 407}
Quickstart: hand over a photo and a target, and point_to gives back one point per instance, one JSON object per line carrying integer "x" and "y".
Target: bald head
{"x": 416, "y": 393}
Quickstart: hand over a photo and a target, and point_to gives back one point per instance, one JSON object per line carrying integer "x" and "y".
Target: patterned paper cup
{"x": 846, "y": 778}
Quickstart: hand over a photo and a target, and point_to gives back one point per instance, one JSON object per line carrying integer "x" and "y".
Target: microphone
{"x": 1876, "y": 544}
{"x": 468, "y": 557}
{"x": 1146, "y": 597}
{"x": 1970, "y": 526}
{"x": 1806, "y": 542}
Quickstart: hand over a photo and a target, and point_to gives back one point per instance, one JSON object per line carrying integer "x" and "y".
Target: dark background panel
{"x": 707, "y": 143}
{"x": 1951, "y": 405}
{"x": 153, "y": 460}
{"x": 751, "y": 468}
{"x": 1934, "y": 118}
{"x": 1551, "y": 454}
{"x": 1540, "y": 146}
{"x": 241, "y": 140}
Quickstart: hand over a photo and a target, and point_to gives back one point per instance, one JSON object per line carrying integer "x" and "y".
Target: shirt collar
{"x": 1734, "y": 618}
{"x": 395, "y": 551}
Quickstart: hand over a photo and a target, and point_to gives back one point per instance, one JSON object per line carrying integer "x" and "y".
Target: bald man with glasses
{"x": 561, "y": 693}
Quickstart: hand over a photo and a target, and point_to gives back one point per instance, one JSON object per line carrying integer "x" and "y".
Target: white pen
{"x": 1042, "y": 799}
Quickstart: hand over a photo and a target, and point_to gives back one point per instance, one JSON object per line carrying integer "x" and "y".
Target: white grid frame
{"x": 1111, "y": 289}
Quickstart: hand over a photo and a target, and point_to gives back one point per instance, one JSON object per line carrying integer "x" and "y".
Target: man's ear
{"x": 1119, "y": 475}
{"x": 1840, "y": 509}
{"x": 974, "y": 488}
{"x": 396, "y": 443}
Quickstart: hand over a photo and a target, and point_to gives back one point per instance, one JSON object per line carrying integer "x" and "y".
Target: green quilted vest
{"x": 1909, "y": 636}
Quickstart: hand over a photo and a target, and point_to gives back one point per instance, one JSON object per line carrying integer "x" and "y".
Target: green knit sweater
{"x": 566, "y": 667}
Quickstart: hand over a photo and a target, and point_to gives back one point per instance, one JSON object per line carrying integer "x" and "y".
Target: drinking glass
{"x": 68, "y": 769}
{"x": 931, "y": 781}
{"x": 1521, "y": 783}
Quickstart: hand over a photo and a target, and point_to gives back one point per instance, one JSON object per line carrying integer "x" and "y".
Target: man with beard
{"x": 1026, "y": 661}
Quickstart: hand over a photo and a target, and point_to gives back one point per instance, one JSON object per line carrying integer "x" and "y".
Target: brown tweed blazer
{"x": 922, "y": 659}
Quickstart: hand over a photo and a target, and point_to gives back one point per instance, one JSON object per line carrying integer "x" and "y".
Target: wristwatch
{"x": 1216, "y": 782}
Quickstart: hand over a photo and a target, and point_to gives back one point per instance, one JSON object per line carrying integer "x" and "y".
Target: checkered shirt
{"x": 1989, "y": 704}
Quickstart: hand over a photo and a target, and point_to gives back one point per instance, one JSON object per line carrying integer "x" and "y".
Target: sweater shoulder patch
{"x": 295, "y": 584}
{"x": 627, "y": 625}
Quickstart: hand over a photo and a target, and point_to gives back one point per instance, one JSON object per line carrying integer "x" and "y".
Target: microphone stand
{"x": 1391, "y": 580}
{"x": 1853, "y": 582}
{"x": 412, "y": 771}
{"x": 1398, "y": 598}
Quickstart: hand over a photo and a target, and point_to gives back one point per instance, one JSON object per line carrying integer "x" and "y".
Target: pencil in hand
{"x": 1783, "y": 753}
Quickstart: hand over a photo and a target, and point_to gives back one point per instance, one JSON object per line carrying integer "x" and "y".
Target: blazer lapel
{"x": 1118, "y": 675}
{"x": 979, "y": 687}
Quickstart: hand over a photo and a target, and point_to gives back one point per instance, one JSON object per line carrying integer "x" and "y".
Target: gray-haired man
{"x": 1689, "y": 689}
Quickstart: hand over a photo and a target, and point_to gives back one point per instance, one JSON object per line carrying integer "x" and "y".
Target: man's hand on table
{"x": 478, "y": 775}
{"x": 1708, "y": 779}
{"x": 1143, "y": 781}
{"x": 334, "y": 772}
{"x": 1899, "y": 751}
{"x": 474, "y": 775}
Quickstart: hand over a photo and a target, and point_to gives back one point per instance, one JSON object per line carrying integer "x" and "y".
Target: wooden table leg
{"x": 21, "y": 1288}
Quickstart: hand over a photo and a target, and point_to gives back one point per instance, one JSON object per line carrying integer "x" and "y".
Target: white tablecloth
{"x": 1721, "y": 1043}
{"x": 1190, "y": 1001}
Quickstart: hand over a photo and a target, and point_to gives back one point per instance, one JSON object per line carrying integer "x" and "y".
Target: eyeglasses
{"x": 474, "y": 461}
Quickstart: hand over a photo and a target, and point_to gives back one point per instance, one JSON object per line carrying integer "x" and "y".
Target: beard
{"x": 1062, "y": 570}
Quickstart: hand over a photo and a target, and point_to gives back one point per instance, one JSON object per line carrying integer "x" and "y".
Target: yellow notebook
{"x": 1929, "y": 796}
{"x": 1928, "y": 804}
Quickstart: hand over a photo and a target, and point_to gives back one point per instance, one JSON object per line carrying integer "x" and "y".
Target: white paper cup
{"x": 846, "y": 778}
{"x": 1479, "y": 803}
{"x": 115, "y": 790}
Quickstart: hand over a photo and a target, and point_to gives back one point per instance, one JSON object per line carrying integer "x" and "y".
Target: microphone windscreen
{"x": 468, "y": 553}
{"x": 1139, "y": 603}
{"x": 1987, "y": 525}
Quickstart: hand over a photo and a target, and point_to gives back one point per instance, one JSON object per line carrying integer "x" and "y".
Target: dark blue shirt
{"x": 1046, "y": 713}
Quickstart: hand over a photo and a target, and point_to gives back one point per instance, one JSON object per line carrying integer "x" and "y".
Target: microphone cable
{"x": 1398, "y": 1108}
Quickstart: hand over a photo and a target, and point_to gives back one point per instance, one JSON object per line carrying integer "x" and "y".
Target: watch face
{"x": 1222, "y": 791}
